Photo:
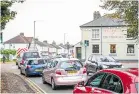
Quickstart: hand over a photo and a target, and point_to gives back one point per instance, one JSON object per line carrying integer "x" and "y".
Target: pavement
{"x": 46, "y": 87}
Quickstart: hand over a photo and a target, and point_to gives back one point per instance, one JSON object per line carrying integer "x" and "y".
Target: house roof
{"x": 19, "y": 39}
{"x": 63, "y": 46}
{"x": 105, "y": 21}
{"x": 39, "y": 43}
{"x": 48, "y": 45}
{"x": 56, "y": 46}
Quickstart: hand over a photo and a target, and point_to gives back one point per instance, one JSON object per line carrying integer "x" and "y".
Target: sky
{"x": 53, "y": 19}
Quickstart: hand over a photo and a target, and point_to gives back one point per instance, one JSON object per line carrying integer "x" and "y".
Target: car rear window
{"x": 36, "y": 62}
{"x": 137, "y": 86}
{"x": 31, "y": 55}
{"x": 71, "y": 65}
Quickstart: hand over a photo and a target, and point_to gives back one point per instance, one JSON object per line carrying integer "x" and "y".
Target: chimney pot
{"x": 96, "y": 15}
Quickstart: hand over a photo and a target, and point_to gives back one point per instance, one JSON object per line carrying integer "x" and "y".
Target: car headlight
{"x": 104, "y": 66}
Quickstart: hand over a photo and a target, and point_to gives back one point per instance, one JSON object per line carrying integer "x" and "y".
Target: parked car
{"x": 26, "y": 55}
{"x": 110, "y": 81}
{"x": 98, "y": 62}
{"x": 63, "y": 71}
{"x": 32, "y": 66}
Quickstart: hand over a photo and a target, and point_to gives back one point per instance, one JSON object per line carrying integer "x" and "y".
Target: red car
{"x": 110, "y": 81}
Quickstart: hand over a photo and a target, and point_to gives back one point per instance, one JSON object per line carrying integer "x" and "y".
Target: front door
{"x": 78, "y": 52}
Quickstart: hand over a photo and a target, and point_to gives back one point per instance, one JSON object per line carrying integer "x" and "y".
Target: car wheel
{"x": 26, "y": 74}
{"x": 43, "y": 80}
{"x": 87, "y": 73}
{"x": 18, "y": 67}
{"x": 53, "y": 84}
{"x": 21, "y": 71}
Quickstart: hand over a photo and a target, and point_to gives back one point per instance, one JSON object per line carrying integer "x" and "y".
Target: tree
{"x": 6, "y": 13}
{"x": 126, "y": 10}
{"x": 7, "y": 52}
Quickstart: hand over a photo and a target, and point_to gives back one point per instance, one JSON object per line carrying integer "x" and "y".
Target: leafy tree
{"x": 126, "y": 10}
{"x": 7, "y": 52}
{"x": 6, "y": 13}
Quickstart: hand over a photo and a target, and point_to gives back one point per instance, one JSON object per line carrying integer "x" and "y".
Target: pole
{"x": 34, "y": 36}
{"x": 85, "y": 52}
{"x": 101, "y": 39}
{"x": 64, "y": 41}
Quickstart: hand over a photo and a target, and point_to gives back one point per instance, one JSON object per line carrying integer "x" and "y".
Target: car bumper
{"x": 34, "y": 73}
{"x": 69, "y": 80}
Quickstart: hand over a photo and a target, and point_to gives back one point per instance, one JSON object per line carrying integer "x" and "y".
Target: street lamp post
{"x": 64, "y": 41}
{"x": 34, "y": 36}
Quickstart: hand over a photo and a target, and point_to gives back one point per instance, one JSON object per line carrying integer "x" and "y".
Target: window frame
{"x": 95, "y": 33}
{"x": 95, "y": 49}
{"x": 130, "y": 50}
{"x": 112, "y": 50}
{"x": 105, "y": 74}
{"x": 108, "y": 74}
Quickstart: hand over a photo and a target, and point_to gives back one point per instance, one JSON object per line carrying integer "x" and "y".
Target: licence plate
{"x": 38, "y": 70}
{"x": 71, "y": 72}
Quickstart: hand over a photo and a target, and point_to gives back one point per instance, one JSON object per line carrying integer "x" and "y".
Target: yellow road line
{"x": 34, "y": 85}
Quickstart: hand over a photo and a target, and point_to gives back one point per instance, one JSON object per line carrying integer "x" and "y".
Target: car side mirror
{"x": 80, "y": 84}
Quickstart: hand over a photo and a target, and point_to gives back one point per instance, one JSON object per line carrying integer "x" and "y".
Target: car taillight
{"x": 28, "y": 66}
{"x": 84, "y": 71}
{"x": 58, "y": 72}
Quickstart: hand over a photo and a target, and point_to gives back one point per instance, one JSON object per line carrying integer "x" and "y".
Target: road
{"x": 66, "y": 89}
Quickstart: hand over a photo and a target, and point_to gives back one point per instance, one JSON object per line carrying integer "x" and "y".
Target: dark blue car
{"x": 33, "y": 66}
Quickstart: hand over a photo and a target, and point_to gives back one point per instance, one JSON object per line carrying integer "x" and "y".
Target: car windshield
{"x": 31, "y": 55}
{"x": 36, "y": 62}
{"x": 105, "y": 59}
{"x": 137, "y": 84}
{"x": 71, "y": 65}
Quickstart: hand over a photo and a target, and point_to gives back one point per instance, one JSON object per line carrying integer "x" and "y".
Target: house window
{"x": 130, "y": 48}
{"x": 95, "y": 49}
{"x": 95, "y": 33}
{"x": 112, "y": 48}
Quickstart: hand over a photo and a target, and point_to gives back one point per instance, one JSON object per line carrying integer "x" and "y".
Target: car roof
{"x": 73, "y": 59}
{"x": 121, "y": 72}
{"x": 61, "y": 59}
{"x": 34, "y": 58}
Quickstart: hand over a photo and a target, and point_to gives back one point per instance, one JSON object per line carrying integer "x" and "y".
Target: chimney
{"x": 54, "y": 42}
{"x": 45, "y": 41}
{"x": 96, "y": 15}
{"x": 22, "y": 34}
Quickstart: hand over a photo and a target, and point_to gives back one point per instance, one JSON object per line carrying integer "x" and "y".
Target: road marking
{"x": 35, "y": 85}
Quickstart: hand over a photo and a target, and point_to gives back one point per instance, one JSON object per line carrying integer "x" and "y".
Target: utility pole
{"x": 101, "y": 39}
{"x": 34, "y": 36}
{"x": 85, "y": 52}
{"x": 64, "y": 41}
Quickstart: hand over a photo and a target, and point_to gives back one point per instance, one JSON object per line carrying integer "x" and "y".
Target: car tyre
{"x": 26, "y": 74}
{"x": 43, "y": 80}
{"x": 53, "y": 84}
{"x": 21, "y": 72}
{"x": 87, "y": 73}
{"x": 18, "y": 67}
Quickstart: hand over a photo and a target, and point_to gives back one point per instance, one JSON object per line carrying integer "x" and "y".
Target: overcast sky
{"x": 54, "y": 18}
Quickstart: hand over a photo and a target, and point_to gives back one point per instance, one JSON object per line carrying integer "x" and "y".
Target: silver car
{"x": 98, "y": 62}
{"x": 64, "y": 71}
